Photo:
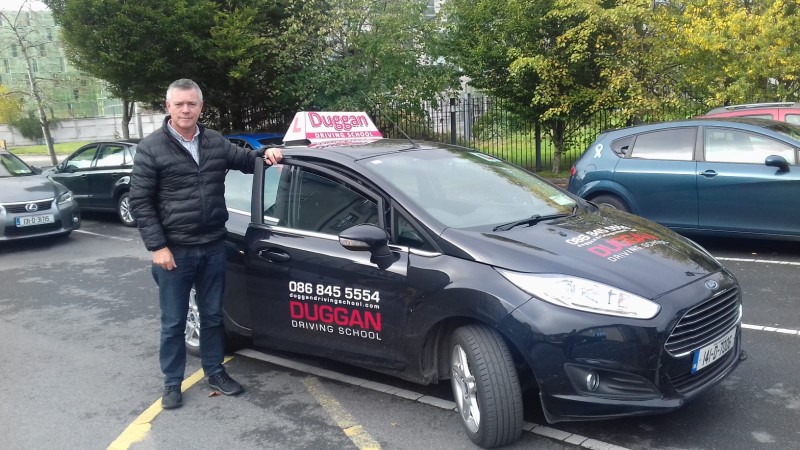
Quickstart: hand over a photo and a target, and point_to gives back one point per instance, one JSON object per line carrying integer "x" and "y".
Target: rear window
{"x": 675, "y": 144}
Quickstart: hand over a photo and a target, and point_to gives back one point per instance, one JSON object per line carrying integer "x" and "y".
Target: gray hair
{"x": 184, "y": 84}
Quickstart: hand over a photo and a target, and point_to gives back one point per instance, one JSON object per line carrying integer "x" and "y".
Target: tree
{"x": 9, "y": 106}
{"x": 245, "y": 54}
{"x": 380, "y": 52}
{"x": 28, "y": 42}
{"x": 544, "y": 56}
{"x": 737, "y": 51}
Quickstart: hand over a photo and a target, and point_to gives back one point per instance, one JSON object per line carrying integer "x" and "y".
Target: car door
{"x": 109, "y": 167}
{"x": 659, "y": 171}
{"x": 309, "y": 294}
{"x": 738, "y": 192}
{"x": 73, "y": 173}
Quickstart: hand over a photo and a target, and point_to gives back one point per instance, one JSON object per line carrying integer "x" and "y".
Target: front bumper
{"x": 66, "y": 218}
{"x": 590, "y": 366}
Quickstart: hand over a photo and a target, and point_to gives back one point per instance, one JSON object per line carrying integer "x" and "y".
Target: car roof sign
{"x": 316, "y": 126}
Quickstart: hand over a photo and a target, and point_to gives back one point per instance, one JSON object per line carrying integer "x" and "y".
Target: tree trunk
{"x": 127, "y": 113}
{"x": 558, "y": 129}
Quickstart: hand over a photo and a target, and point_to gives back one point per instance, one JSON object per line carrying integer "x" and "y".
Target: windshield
{"x": 465, "y": 189}
{"x": 11, "y": 166}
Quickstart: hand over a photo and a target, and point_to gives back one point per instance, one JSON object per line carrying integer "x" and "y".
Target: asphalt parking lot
{"x": 79, "y": 332}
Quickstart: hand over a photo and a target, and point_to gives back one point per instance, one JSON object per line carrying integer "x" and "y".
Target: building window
{"x": 75, "y": 93}
{"x": 14, "y": 51}
{"x": 42, "y": 50}
{"x": 35, "y": 65}
{"x": 63, "y": 66}
{"x": 6, "y": 66}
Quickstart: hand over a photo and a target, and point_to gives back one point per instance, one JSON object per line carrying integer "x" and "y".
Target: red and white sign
{"x": 317, "y": 126}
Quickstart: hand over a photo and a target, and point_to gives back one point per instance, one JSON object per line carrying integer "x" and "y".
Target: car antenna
{"x": 396, "y": 127}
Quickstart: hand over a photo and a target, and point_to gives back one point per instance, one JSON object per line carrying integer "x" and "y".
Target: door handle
{"x": 274, "y": 255}
{"x": 83, "y": 176}
{"x": 709, "y": 173}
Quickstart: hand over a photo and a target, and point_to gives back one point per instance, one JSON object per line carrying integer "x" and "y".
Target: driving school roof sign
{"x": 316, "y": 126}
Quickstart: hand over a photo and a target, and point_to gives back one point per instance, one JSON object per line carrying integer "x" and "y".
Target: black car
{"x": 31, "y": 206}
{"x": 99, "y": 176}
{"x": 432, "y": 262}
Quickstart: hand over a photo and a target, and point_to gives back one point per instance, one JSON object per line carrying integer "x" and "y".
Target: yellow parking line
{"x": 346, "y": 422}
{"x": 139, "y": 428}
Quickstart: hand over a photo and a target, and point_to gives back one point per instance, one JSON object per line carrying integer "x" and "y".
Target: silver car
{"x": 31, "y": 205}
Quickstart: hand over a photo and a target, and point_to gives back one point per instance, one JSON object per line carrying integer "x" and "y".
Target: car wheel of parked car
{"x": 610, "y": 201}
{"x": 485, "y": 386}
{"x": 124, "y": 211}
{"x": 192, "y": 333}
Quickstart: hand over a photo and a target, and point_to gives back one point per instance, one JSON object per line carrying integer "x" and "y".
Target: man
{"x": 177, "y": 199}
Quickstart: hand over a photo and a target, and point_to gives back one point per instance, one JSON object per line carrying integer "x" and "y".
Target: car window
{"x": 82, "y": 159}
{"x": 129, "y": 154}
{"x": 238, "y": 190}
{"x": 728, "y": 145}
{"x": 675, "y": 144}
{"x": 758, "y": 116}
{"x": 622, "y": 146}
{"x": 110, "y": 156}
{"x": 793, "y": 118}
{"x": 11, "y": 166}
{"x": 314, "y": 202}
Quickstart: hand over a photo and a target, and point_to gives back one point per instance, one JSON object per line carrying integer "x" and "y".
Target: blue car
{"x": 732, "y": 176}
{"x": 255, "y": 141}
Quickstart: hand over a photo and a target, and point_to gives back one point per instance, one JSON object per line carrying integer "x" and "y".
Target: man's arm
{"x": 143, "y": 198}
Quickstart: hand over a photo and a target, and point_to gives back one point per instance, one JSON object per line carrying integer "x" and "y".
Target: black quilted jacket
{"x": 175, "y": 201}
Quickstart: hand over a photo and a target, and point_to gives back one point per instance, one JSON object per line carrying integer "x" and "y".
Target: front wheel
{"x": 485, "y": 386}
{"x": 124, "y": 211}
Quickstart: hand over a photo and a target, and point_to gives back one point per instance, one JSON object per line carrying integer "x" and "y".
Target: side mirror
{"x": 777, "y": 161}
{"x": 36, "y": 169}
{"x": 369, "y": 238}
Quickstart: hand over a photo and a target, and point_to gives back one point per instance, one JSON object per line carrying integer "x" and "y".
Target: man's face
{"x": 184, "y": 106}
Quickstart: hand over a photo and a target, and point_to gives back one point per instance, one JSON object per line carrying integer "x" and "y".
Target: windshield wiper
{"x": 532, "y": 220}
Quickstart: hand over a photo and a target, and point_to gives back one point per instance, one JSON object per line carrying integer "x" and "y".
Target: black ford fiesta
{"x": 432, "y": 262}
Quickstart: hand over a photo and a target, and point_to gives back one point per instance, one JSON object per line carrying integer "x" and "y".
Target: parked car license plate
{"x": 40, "y": 219}
{"x": 713, "y": 351}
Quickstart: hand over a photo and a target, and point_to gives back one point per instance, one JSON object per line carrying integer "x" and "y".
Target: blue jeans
{"x": 201, "y": 266}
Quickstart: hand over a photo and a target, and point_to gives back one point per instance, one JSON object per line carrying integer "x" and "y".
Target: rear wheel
{"x": 610, "y": 201}
{"x": 192, "y": 331}
{"x": 124, "y": 210}
{"x": 485, "y": 386}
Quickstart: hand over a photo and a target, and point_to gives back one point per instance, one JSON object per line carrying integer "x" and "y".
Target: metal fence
{"x": 487, "y": 124}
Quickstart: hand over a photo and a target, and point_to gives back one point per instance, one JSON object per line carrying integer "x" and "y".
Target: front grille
{"x": 705, "y": 323}
{"x": 41, "y": 205}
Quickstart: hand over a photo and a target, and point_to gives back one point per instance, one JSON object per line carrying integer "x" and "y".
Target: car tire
{"x": 124, "y": 210}
{"x": 610, "y": 201}
{"x": 192, "y": 331}
{"x": 485, "y": 386}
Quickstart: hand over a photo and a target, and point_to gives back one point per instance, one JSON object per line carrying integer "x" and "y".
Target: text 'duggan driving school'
{"x": 334, "y": 309}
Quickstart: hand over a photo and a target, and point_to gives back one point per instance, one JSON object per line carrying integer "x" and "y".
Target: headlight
{"x": 583, "y": 295}
{"x": 65, "y": 197}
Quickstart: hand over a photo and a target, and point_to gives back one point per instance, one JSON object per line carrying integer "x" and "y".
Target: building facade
{"x": 33, "y": 37}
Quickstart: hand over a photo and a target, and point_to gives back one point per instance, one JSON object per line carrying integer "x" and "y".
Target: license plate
{"x": 713, "y": 351}
{"x": 27, "y": 221}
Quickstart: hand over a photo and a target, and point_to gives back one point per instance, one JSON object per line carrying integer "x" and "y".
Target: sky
{"x": 13, "y": 5}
